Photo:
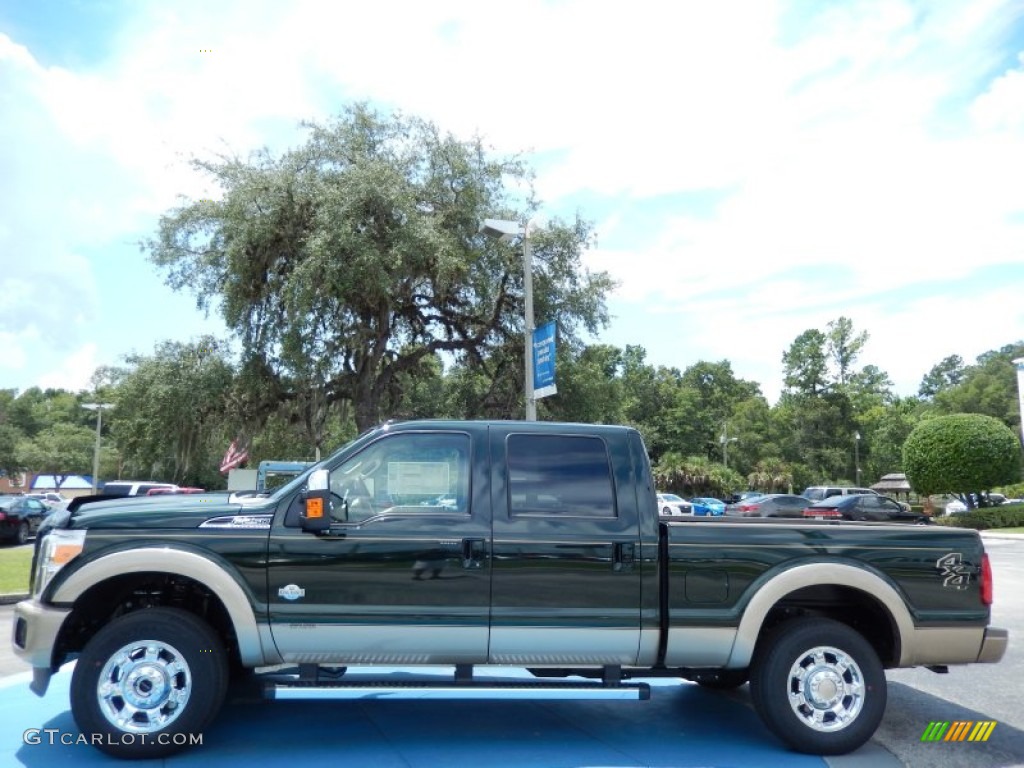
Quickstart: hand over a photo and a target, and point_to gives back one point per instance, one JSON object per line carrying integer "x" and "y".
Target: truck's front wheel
{"x": 148, "y": 683}
{"x": 818, "y": 685}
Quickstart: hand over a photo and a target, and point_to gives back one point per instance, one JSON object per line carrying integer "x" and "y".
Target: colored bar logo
{"x": 958, "y": 730}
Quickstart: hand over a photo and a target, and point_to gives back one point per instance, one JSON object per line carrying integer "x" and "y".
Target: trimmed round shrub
{"x": 961, "y": 453}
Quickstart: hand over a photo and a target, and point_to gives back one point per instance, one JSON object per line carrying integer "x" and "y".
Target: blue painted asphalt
{"x": 681, "y": 725}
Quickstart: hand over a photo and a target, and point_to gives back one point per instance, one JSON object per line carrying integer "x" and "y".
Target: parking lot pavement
{"x": 681, "y": 725}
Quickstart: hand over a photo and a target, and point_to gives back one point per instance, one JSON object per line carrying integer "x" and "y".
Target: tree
{"x": 61, "y": 450}
{"x": 868, "y": 388}
{"x": 343, "y": 264}
{"x": 885, "y": 429}
{"x": 171, "y": 418}
{"x": 771, "y": 475}
{"x": 652, "y": 402}
{"x": 943, "y": 375}
{"x": 589, "y": 386}
{"x": 805, "y": 365}
{"x": 713, "y": 392}
{"x": 989, "y": 387}
{"x": 843, "y": 348}
{"x": 963, "y": 453}
{"x": 10, "y": 438}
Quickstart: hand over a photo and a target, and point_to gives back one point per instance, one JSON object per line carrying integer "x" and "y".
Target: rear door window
{"x": 560, "y": 475}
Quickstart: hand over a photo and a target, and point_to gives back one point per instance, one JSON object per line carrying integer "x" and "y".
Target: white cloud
{"x": 75, "y": 372}
{"x": 879, "y": 141}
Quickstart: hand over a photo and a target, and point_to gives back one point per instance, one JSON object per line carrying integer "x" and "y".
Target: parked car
{"x": 702, "y": 505}
{"x": 20, "y": 517}
{"x": 819, "y": 492}
{"x": 736, "y": 498}
{"x": 864, "y": 506}
{"x": 770, "y": 505}
{"x": 135, "y": 487}
{"x": 50, "y": 498}
{"x": 670, "y": 504}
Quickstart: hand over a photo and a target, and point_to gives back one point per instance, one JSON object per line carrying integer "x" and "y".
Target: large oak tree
{"x": 345, "y": 263}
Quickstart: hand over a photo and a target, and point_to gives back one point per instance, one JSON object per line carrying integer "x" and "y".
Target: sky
{"x": 752, "y": 169}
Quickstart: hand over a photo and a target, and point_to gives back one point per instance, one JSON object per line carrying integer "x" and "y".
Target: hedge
{"x": 1005, "y": 516}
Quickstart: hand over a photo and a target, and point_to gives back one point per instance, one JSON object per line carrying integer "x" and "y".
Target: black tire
{"x": 723, "y": 679}
{"x": 21, "y": 537}
{"x": 154, "y": 656}
{"x": 665, "y": 511}
{"x": 818, "y": 685}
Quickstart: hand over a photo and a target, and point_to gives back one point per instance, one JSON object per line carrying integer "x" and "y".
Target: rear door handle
{"x": 624, "y": 556}
{"x": 472, "y": 552}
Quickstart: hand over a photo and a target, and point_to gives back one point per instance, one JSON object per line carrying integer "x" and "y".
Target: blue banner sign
{"x": 544, "y": 361}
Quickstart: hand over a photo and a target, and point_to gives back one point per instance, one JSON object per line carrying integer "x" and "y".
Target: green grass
{"x": 14, "y": 569}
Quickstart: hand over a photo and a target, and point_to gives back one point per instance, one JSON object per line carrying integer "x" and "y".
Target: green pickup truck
{"x": 506, "y": 544}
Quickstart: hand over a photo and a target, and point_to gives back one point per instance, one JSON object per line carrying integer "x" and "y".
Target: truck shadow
{"x": 681, "y": 725}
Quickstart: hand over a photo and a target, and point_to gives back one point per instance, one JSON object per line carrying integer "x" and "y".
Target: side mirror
{"x": 315, "y": 517}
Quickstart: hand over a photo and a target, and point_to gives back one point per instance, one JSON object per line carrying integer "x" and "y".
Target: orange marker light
{"x": 314, "y": 507}
{"x": 64, "y": 553}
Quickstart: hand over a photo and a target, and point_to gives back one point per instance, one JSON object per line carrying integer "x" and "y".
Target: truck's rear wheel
{"x": 148, "y": 683}
{"x": 818, "y": 685}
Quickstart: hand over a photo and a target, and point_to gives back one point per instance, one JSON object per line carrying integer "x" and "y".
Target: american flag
{"x": 235, "y": 456}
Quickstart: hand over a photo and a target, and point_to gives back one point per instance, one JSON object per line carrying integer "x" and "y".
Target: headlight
{"x": 59, "y": 547}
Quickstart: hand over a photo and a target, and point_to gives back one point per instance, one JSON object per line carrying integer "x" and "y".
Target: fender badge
{"x": 953, "y": 572}
{"x": 291, "y": 592}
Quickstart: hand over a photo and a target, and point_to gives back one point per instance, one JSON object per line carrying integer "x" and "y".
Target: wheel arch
{"x": 850, "y": 594}
{"x": 118, "y": 571}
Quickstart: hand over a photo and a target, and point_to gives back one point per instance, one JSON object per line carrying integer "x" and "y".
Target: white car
{"x": 957, "y": 507}
{"x": 670, "y": 504}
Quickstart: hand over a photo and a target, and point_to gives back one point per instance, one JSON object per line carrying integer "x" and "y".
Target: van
{"x": 819, "y": 492}
{"x": 136, "y": 487}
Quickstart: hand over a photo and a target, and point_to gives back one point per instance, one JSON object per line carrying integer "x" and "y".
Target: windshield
{"x": 299, "y": 481}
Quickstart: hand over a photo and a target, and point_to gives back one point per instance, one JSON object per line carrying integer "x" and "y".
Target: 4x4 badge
{"x": 291, "y": 592}
{"x": 953, "y": 571}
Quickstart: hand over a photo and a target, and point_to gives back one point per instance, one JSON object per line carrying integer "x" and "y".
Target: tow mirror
{"x": 316, "y": 513}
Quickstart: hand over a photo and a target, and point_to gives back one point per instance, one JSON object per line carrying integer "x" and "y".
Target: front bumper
{"x": 34, "y": 635}
{"x": 993, "y": 645}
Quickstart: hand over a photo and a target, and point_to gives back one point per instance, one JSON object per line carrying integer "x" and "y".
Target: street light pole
{"x": 725, "y": 444}
{"x": 505, "y": 230}
{"x": 1019, "y": 365}
{"x": 98, "y": 407}
{"x": 531, "y": 401}
{"x": 856, "y": 454}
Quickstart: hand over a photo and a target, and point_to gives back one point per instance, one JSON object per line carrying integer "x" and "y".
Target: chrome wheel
{"x": 144, "y": 686}
{"x": 818, "y": 685}
{"x": 826, "y": 689}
